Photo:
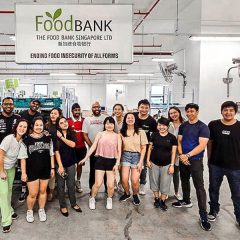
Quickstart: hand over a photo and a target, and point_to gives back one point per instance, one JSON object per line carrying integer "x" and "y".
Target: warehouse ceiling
{"x": 157, "y": 26}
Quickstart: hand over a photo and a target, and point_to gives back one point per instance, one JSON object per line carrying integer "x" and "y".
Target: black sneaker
{"x": 156, "y": 203}
{"x": 22, "y": 197}
{"x": 6, "y": 229}
{"x": 205, "y": 224}
{"x": 212, "y": 215}
{"x": 182, "y": 203}
{"x": 125, "y": 197}
{"x": 163, "y": 206}
{"x": 14, "y": 216}
{"x": 136, "y": 200}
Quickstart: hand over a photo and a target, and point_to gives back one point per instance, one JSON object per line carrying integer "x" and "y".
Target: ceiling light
{"x": 215, "y": 38}
{"x": 125, "y": 81}
{"x": 13, "y": 38}
{"x": 63, "y": 74}
{"x": 140, "y": 74}
{"x": 162, "y": 59}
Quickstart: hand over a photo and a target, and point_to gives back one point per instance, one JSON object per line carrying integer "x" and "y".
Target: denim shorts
{"x": 130, "y": 159}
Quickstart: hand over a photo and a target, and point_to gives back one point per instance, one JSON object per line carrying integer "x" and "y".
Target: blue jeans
{"x": 216, "y": 175}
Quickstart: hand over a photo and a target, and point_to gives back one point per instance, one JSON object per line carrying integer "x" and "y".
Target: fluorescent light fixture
{"x": 215, "y": 38}
{"x": 162, "y": 59}
{"x": 140, "y": 74}
{"x": 63, "y": 74}
{"x": 13, "y": 38}
{"x": 125, "y": 81}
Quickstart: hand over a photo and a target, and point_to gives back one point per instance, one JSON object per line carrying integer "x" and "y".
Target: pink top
{"x": 107, "y": 145}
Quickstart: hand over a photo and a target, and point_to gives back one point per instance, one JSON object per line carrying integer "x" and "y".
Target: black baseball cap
{"x": 36, "y": 100}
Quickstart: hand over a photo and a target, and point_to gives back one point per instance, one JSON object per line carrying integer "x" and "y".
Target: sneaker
{"x": 109, "y": 203}
{"x": 163, "y": 206}
{"x": 92, "y": 203}
{"x": 125, "y": 197}
{"x": 181, "y": 203}
{"x": 22, "y": 197}
{"x": 78, "y": 186}
{"x": 136, "y": 200}
{"x": 30, "y": 217}
{"x": 178, "y": 196}
{"x": 142, "y": 189}
{"x": 42, "y": 215}
{"x": 212, "y": 215}
{"x": 205, "y": 224}
{"x": 6, "y": 229}
{"x": 120, "y": 187}
{"x": 14, "y": 216}
{"x": 156, "y": 203}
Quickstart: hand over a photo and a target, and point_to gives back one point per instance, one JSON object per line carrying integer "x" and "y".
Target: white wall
{"x": 216, "y": 59}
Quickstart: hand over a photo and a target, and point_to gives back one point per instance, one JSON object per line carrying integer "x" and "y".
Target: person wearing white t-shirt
{"x": 9, "y": 150}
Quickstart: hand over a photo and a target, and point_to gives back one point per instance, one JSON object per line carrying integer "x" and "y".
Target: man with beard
{"x": 76, "y": 123}
{"x": 32, "y": 112}
{"x": 7, "y": 117}
{"x": 147, "y": 123}
{"x": 91, "y": 127}
{"x": 224, "y": 158}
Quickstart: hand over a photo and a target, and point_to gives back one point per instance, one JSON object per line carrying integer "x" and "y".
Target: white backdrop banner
{"x": 74, "y": 33}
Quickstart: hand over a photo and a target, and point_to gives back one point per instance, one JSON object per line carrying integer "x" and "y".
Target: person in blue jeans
{"x": 193, "y": 137}
{"x": 224, "y": 158}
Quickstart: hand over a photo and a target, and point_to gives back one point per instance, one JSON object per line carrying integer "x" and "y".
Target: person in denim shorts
{"x": 134, "y": 143}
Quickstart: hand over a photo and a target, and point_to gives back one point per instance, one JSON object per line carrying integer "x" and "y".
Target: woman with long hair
{"x": 51, "y": 127}
{"x": 37, "y": 166}
{"x": 133, "y": 143}
{"x": 9, "y": 150}
{"x": 160, "y": 161}
{"x": 66, "y": 159}
{"x": 176, "y": 119}
{"x": 107, "y": 146}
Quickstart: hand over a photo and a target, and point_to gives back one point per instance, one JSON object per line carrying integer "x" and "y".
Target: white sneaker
{"x": 92, "y": 203}
{"x": 42, "y": 215}
{"x": 142, "y": 189}
{"x": 30, "y": 217}
{"x": 178, "y": 197}
{"x": 109, "y": 203}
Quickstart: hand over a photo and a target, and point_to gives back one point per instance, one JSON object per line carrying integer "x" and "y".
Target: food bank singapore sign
{"x": 73, "y": 33}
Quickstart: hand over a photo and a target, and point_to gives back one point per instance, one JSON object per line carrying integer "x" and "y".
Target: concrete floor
{"x": 125, "y": 221}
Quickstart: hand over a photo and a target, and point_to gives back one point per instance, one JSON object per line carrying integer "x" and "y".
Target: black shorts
{"x": 104, "y": 164}
{"x": 80, "y": 153}
{"x": 44, "y": 174}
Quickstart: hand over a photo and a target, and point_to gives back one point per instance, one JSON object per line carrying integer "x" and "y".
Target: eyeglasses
{"x": 8, "y": 104}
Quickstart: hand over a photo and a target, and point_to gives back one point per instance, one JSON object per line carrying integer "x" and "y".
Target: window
{"x": 40, "y": 90}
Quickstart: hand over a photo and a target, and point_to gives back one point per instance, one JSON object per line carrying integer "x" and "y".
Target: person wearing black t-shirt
{"x": 224, "y": 158}
{"x": 147, "y": 123}
{"x": 7, "y": 118}
{"x": 66, "y": 158}
{"x": 32, "y": 112}
{"x": 160, "y": 160}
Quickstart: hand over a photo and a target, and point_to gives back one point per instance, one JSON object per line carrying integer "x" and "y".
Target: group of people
{"x": 172, "y": 147}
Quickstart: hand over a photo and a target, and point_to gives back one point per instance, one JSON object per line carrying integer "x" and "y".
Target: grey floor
{"x": 125, "y": 221}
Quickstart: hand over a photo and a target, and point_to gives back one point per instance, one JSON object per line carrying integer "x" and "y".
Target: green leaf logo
{"x": 57, "y": 14}
{"x": 49, "y": 14}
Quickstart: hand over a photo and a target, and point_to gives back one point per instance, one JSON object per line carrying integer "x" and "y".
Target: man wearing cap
{"x": 76, "y": 123}
{"x": 32, "y": 112}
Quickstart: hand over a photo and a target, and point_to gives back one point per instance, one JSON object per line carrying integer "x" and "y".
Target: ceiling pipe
{"x": 146, "y": 15}
{"x": 63, "y": 69}
{"x": 7, "y": 11}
